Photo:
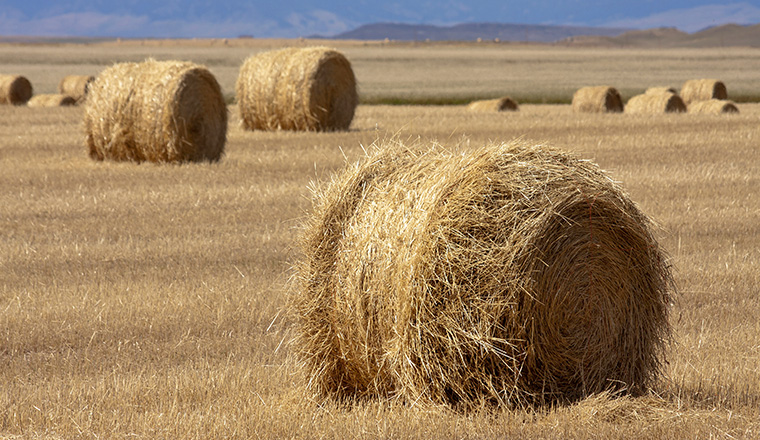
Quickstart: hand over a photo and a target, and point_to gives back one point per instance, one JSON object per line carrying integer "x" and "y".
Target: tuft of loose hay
{"x": 156, "y": 111}
{"x": 310, "y": 89}
{"x": 494, "y": 105}
{"x": 76, "y": 86}
{"x": 713, "y": 106}
{"x": 663, "y": 89}
{"x": 652, "y": 102}
{"x": 14, "y": 89}
{"x": 695, "y": 90}
{"x": 513, "y": 274}
{"x": 597, "y": 99}
{"x": 51, "y": 100}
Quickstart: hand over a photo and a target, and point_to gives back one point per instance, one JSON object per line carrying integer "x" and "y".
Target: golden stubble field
{"x": 144, "y": 301}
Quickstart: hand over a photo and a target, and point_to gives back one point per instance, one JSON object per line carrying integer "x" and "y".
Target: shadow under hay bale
{"x": 597, "y": 99}
{"x": 493, "y": 105}
{"x": 14, "y": 89}
{"x": 155, "y": 111}
{"x": 713, "y": 106}
{"x": 51, "y": 100}
{"x": 513, "y": 274}
{"x": 309, "y": 89}
{"x": 695, "y": 90}
{"x": 653, "y": 102}
{"x": 75, "y": 86}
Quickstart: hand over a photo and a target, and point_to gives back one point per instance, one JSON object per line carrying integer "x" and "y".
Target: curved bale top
{"x": 309, "y": 89}
{"x": 511, "y": 274}
{"x": 597, "y": 99}
{"x": 494, "y": 105}
{"x": 661, "y": 89}
{"x": 713, "y": 106}
{"x": 652, "y": 102}
{"x": 156, "y": 111}
{"x": 695, "y": 90}
{"x": 51, "y": 100}
{"x": 75, "y": 86}
{"x": 14, "y": 89}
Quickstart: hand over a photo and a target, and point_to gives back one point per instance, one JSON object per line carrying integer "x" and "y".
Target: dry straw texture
{"x": 14, "y": 89}
{"x": 597, "y": 99}
{"x": 713, "y": 106}
{"x": 51, "y": 100}
{"x": 157, "y": 111}
{"x": 695, "y": 90}
{"x": 652, "y": 102}
{"x": 663, "y": 89}
{"x": 75, "y": 86}
{"x": 311, "y": 89}
{"x": 512, "y": 274}
{"x": 494, "y": 105}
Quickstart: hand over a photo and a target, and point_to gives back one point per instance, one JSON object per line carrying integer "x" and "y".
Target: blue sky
{"x": 203, "y": 18}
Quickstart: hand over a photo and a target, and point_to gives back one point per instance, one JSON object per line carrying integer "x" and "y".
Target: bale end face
{"x": 15, "y": 90}
{"x": 597, "y": 99}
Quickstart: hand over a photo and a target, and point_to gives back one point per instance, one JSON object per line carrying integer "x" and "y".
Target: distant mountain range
{"x": 719, "y": 36}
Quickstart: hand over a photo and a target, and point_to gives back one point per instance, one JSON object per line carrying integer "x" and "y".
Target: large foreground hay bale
{"x": 310, "y": 89}
{"x": 695, "y": 90}
{"x": 494, "y": 105}
{"x": 652, "y": 102}
{"x": 14, "y": 89}
{"x": 51, "y": 100}
{"x": 75, "y": 86}
{"x": 512, "y": 274}
{"x": 713, "y": 106}
{"x": 157, "y": 111}
{"x": 597, "y": 99}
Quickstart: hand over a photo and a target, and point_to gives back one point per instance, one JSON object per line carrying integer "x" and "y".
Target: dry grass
{"x": 156, "y": 111}
{"x": 146, "y": 301}
{"x": 494, "y": 105}
{"x": 597, "y": 99}
{"x": 312, "y": 89}
{"x": 653, "y": 102}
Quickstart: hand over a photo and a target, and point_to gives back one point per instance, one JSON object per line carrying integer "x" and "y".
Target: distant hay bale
{"x": 713, "y": 106}
{"x": 51, "y": 100}
{"x": 494, "y": 105}
{"x": 156, "y": 111}
{"x": 75, "y": 86}
{"x": 14, "y": 89}
{"x": 664, "y": 89}
{"x": 511, "y": 274}
{"x": 652, "y": 102}
{"x": 695, "y": 90}
{"x": 311, "y": 89}
{"x": 597, "y": 99}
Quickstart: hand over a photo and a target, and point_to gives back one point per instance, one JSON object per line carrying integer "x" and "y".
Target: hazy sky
{"x": 202, "y": 18}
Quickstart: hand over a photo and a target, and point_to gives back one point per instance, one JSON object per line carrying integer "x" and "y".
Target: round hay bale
{"x": 664, "y": 89}
{"x": 512, "y": 274}
{"x": 51, "y": 100}
{"x": 493, "y": 105}
{"x": 14, "y": 89}
{"x": 713, "y": 106}
{"x": 75, "y": 86}
{"x": 156, "y": 111}
{"x": 597, "y": 99}
{"x": 695, "y": 90}
{"x": 310, "y": 89}
{"x": 651, "y": 102}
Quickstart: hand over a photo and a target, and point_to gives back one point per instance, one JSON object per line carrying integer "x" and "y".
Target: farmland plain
{"x": 145, "y": 301}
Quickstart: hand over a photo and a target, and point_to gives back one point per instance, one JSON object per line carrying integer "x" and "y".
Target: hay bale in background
{"x": 14, "y": 89}
{"x": 75, "y": 86}
{"x": 494, "y": 105}
{"x": 664, "y": 89}
{"x": 511, "y": 274}
{"x": 51, "y": 100}
{"x": 310, "y": 89}
{"x": 597, "y": 99}
{"x": 157, "y": 111}
{"x": 713, "y": 106}
{"x": 695, "y": 90}
{"x": 652, "y": 102}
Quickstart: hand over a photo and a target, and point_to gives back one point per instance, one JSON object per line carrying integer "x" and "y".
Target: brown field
{"x": 146, "y": 301}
